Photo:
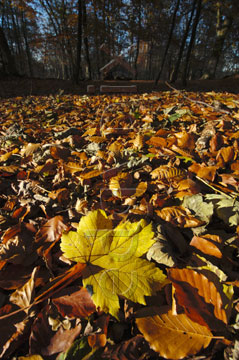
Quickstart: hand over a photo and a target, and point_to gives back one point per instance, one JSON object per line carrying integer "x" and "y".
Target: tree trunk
{"x": 168, "y": 42}
{"x": 185, "y": 36}
{"x": 17, "y": 38}
{"x": 79, "y": 43}
{"x": 86, "y": 41}
{"x": 10, "y": 66}
{"x": 192, "y": 39}
{"x": 222, "y": 29}
{"x": 138, "y": 42}
{"x": 28, "y": 51}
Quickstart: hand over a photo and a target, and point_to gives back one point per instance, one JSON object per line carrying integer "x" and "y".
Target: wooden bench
{"x": 91, "y": 89}
{"x": 118, "y": 89}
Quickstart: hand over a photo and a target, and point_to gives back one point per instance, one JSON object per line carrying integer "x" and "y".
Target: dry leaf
{"x": 174, "y": 336}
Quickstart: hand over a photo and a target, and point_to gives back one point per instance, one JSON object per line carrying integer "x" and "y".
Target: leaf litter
{"x": 119, "y": 226}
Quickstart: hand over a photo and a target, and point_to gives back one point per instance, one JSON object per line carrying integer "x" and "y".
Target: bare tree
{"x": 79, "y": 41}
{"x": 86, "y": 41}
{"x": 223, "y": 26}
{"x": 7, "y": 55}
{"x": 168, "y": 41}
{"x": 183, "y": 43}
{"x": 192, "y": 39}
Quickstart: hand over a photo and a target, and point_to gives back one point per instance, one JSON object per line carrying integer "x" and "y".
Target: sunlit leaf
{"x": 120, "y": 185}
{"x": 208, "y": 244}
{"x": 179, "y": 216}
{"x": 226, "y": 208}
{"x": 202, "y": 209}
{"x": 200, "y": 296}
{"x": 167, "y": 173}
{"x": 174, "y": 336}
{"x": 112, "y": 257}
{"x": 23, "y": 297}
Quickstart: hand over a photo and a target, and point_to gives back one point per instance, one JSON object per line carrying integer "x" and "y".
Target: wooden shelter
{"x": 117, "y": 68}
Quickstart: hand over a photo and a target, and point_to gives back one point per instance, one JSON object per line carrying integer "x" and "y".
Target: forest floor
{"x": 11, "y": 87}
{"x": 119, "y": 221}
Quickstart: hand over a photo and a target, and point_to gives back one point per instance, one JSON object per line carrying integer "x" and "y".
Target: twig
{"x": 213, "y": 188}
{"x": 196, "y": 101}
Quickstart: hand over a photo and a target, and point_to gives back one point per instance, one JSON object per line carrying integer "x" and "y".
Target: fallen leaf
{"x": 208, "y": 244}
{"x": 200, "y": 297}
{"x": 74, "y": 302}
{"x": 179, "y": 216}
{"x": 174, "y": 336}
{"x": 112, "y": 257}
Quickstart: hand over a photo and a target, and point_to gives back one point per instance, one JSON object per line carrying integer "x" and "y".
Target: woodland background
{"x": 160, "y": 39}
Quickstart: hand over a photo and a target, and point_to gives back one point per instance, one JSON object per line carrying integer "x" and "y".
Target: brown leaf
{"x": 48, "y": 168}
{"x": 12, "y": 276}
{"x": 52, "y": 230}
{"x": 141, "y": 188}
{"x": 185, "y": 140}
{"x": 90, "y": 174}
{"x": 187, "y": 187}
{"x": 166, "y": 173}
{"x": 216, "y": 142}
{"x": 8, "y": 170}
{"x": 120, "y": 185}
{"x": 200, "y": 297}
{"x": 157, "y": 141}
{"x": 16, "y": 338}
{"x": 228, "y": 179}
{"x": 46, "y": 342}
{"x": 62, "y": 195}
{"x": 21, "y": 212}
{"x": 208, "y": 244}
{"x": 225, "y": 155}
{"x": 135, "y": 348}
{"x": 59, "y": 152}
{"x": 179, "y": 216}
{"x": 72, "y": 167}
{"x": 99, "y": 339}
{"x": 13, "y": 329}
{"x": 205, "y": 172}
{"x": 74, "y": 302}
{"x": 17, "y": 246}
{"x": 60, "y": 282}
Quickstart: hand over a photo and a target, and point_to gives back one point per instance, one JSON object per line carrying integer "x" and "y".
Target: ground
{"x": 11, "y": 87}
{"x": 150, "y": 183}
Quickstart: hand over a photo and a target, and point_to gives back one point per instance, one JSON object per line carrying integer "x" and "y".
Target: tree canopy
{"x": 163, "y": 39}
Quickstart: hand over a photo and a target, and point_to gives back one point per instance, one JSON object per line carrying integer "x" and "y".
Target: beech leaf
{"x": 201, "y": 295}
{"x": 174, "y": 336}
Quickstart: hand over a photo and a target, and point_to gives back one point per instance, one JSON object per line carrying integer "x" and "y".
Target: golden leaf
{"x": 174, "y": 336}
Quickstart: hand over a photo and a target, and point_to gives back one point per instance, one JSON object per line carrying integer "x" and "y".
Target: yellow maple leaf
{"x": 114, "y": 267}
